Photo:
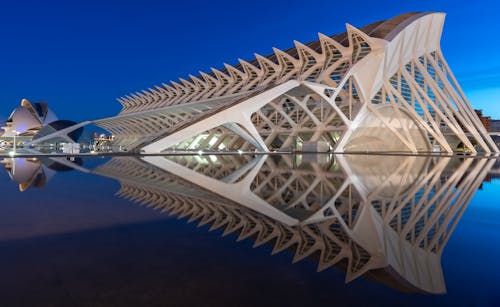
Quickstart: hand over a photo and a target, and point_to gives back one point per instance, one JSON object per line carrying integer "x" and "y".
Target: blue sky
{"x": 81, "y": 56}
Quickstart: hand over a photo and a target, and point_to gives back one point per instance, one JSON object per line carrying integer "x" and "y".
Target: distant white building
{"x": 31, "y": 121}
{"x": 28, "y": 118}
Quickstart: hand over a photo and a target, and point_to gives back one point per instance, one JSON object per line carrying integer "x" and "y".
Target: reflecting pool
{"x": 249, "y": 229}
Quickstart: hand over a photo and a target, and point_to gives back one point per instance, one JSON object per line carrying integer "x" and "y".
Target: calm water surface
{"x": 244, "y": 230}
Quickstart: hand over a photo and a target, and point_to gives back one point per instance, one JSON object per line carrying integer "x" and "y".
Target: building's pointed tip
{"x": 25, "y": 102}
{"x": 322, "y": 36}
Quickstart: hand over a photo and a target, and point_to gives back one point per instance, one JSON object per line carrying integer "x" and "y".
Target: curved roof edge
{"x": 390, "y": 28}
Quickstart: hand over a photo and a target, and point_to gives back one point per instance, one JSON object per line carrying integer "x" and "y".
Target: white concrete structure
{"x": 35, "y": 123}
{"x": 384, "y": 87}
{"x": 28, "y": 118}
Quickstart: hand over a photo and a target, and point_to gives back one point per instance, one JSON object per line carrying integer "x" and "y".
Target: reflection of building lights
{"x": 213, "y": 158}
{"x": 200, "y": 152}
{"x": 200, "y": 159}
{"x": 240, "y": 151}
{"x": 213, "y": 140}
{"x": 199, "y": 139}
{"x": 13, "y": 152}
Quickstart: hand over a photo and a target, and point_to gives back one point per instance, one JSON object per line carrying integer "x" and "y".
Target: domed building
{"x": 28, "y": 118}
{"x": 31, "y": 121}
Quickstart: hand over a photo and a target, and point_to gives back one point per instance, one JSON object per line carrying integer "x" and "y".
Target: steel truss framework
{"x": 384, "y": 87}
{"x": 358, "y": 214}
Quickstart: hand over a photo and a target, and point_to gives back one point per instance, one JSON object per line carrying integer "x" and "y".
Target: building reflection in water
{"x": 36, "y": 172}
{"x": 384, "y": 218}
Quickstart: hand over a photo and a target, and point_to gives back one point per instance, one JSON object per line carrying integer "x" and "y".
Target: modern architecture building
{"x": 382, "y": 87}
{"x": 33, "y": 121}
{"x": 27, "y": 119}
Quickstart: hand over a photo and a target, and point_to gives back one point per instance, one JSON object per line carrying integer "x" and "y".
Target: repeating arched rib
{"x": 254, "y": 74}
{"x": 225, "y": 81}
{"x": 271, "y": 70}
{"x": 289, "y": 65}
{"x": 238, "y": 76}
{"x": 183, "y": 92}
{"x": 311, "y": 61}
{"x": 201, "y": 87}
{"x": 359, "y": 43}
{"x": 213, "y": 85}
{"x": 174, "y": 94}
{"x": 191, "y": 89}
